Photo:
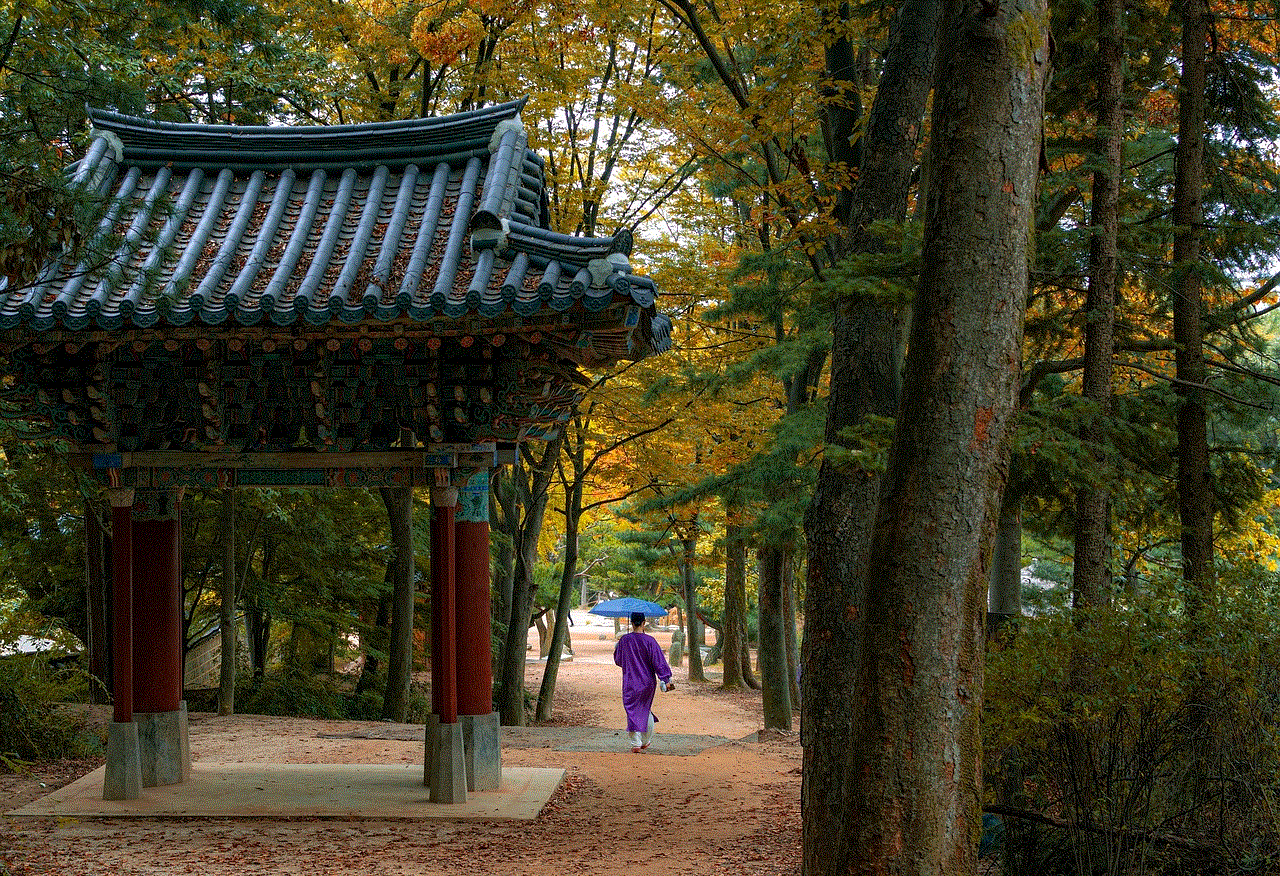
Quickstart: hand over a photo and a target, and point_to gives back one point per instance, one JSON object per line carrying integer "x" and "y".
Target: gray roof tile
{"x": 426, "y": 219}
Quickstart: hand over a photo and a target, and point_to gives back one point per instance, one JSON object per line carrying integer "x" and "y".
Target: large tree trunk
{"x": 399, "y": 505}
{"x": 917, "y": 611}
{"x": 773, "y": 639}
{"x": 1091, "y": 576}
{"x": 1091, "y": 570}
{"x": 96, "y": 601}
{"x": 532, "y": 492}
{"x": 507, "y": 522}
{"x": 576, "y": 454}
{"x": 560, "y": 631}
{"x": 374, "y": 642}
{"x": 689, "y": 545}
{"x": 227, "y": 606}
{"x": 735, "y": 603}
{"x": 789, "y": 624}
{"x": 1195, "y": 495}
{"x": 865, "y": 366}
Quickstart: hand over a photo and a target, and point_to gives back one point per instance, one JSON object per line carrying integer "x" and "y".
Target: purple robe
{"x": 641, "y": 659}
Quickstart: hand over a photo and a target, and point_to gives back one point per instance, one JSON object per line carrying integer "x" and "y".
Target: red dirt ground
{"x": 733, "y": 809}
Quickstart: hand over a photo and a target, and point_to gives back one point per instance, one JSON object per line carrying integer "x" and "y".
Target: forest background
{"x": 778, "y": 163}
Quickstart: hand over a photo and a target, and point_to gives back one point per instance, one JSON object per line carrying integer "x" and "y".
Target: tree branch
{"x": 1201, "y": 386}
{"x": 600, "y": 503}
{"x": 9, "y": 43}
{"x": 1226, "y": 365}
{"x": 1150, "y": 836}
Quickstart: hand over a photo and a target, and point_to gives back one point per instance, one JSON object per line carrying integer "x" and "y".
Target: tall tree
{"x": 774, "y": 667}
{"x": 735, "y": 602}
{"x": 584, "y": 453}
{"x": 1195, "y": 491}
{"x": 1091, "y": 577}
{"x": 865, "y": 379}
{"x": 227, "y": 606}
{"x": 687, "y": 532}
{"x": 917, "y": 610}
{"x": 532, "y": 478}
{"x": 399, "y": 504}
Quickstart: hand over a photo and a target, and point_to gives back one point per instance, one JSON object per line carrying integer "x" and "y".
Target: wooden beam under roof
{"x": 487, "y": 453}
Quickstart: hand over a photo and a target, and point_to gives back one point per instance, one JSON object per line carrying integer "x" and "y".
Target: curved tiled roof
{"x": 423, "y": 220}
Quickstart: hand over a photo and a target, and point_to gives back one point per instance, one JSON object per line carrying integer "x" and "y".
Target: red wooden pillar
{"x": 163, "y": 750}
{"x": 122, "y": 604}
{"x": 157, "y": 600}
{"x": 475, "y": 661}
{"x": 444, "y": 671}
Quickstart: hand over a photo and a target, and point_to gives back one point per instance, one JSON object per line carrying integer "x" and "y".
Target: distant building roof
{"x": 29, "y": 645}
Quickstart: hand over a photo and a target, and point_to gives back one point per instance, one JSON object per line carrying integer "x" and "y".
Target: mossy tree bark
{"x": 735, "y": 604}
{"x": 913, "y": 617}
{"x": 865, "y": 383}
{"x": 1091, "y": 575}
{"x": 1195, "y": 490}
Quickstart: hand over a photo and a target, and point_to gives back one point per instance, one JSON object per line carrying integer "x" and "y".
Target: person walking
{"x": 642, "y": 661}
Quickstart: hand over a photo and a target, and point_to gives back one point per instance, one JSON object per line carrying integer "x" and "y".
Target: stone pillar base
{"x": 482, "y": 744}
{"x": 123, "y": 779}
{"x": 160, "y": 747}
{"x": 449, "y": 773}
{"x": 430, "y": 748}
{"x": 184, "y": 741}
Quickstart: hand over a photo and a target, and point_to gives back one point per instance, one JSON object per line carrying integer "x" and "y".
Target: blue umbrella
{"x": 627, "y": 604}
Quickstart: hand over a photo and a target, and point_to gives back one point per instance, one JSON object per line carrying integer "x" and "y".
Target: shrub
{"x": 1140, "y": 745}
{"x": 318, "y": 696}
{"x": 363, "y": 706}
{"x": 419, "y": 703}
{"x": 35, "y": 725}
{"x": 299, "y": 695}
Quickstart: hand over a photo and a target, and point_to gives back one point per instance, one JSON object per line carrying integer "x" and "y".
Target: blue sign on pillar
{"x": 473, "y": 496}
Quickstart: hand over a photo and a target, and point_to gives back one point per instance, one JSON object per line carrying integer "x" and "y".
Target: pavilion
{"x": 354, "y": 305}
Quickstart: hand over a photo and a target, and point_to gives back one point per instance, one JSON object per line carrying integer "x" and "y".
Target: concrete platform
{"x": 239, "y": 790}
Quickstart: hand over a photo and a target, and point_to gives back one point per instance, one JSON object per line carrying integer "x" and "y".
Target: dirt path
{"x": 731, "y": 809}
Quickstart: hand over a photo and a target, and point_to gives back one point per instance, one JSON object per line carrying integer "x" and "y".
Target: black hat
{"x": 637, "y": 618}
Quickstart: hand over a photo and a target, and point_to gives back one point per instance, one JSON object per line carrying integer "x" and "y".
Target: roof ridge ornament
{"x": 511, "y": 124}
{"x": 113, "y": 141}
{"x": 623, "y": 240}
{"x": 489, "y": 231}
{"x": 602, "y": 269}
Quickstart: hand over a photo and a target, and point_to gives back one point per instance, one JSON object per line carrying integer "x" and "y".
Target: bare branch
{"x": 10, "y": 42}
{"x": 1163, "y": 839}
